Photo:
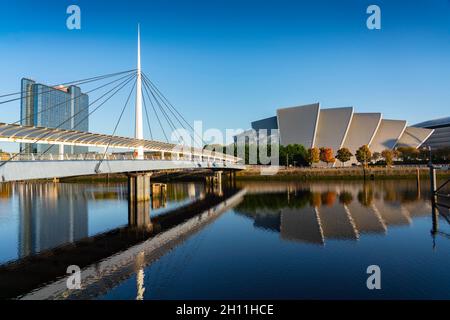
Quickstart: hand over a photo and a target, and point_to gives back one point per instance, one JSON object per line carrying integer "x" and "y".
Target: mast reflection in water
{"x": 264, "y": 240}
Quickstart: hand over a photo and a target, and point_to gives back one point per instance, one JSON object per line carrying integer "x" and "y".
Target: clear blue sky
{"x": 228, "y": 62}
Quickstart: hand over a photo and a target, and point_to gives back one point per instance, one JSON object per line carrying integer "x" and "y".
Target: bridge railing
{"x": 98, "y": 156}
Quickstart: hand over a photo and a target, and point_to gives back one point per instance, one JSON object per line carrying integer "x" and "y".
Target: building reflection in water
{"x": 50, "y": 215}
{"x": 317, "y": 212}
{"x": 53, "y": 214}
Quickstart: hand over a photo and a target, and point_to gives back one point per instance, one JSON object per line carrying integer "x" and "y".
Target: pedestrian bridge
{"x": 157, "y": 155}
{"x": 141, "y": 156}
{"x": 38, "y": 169}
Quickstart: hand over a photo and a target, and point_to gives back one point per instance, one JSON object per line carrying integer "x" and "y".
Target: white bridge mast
{"x": 138, "y": 128}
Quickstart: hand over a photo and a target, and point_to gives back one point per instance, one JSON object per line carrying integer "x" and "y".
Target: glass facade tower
{"x": 53, "y": 107}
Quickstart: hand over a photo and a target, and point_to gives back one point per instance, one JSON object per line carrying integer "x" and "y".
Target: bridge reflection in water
{"x": 309, "y": 214}
{"x": 50, "y": 221}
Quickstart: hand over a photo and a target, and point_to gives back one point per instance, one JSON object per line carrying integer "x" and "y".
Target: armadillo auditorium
{"x": 312, "y": 126}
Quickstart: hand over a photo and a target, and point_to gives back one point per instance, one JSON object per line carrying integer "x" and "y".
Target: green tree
{"x": 424, "y": 154}
{"x": 441, "y": 155}
{"x": 365, "y": 197}
{"x": 293, "y": 154}
{"x": 344, "y": 155}
{"x": 237, "y": 148}
{"x": 363, "y": 155}
{"x": 408, "y": 154}
{"x": 345, "y": 197}
{"x": 376, "y": 156}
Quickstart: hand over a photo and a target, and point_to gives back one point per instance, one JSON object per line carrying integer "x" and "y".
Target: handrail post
{"x": 433, "y": 185}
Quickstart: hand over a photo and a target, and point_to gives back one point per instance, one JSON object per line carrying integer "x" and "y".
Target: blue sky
{"x": 228, "y": 62}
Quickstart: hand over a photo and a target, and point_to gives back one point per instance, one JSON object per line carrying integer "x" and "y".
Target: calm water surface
{"x": 280, "y": 240}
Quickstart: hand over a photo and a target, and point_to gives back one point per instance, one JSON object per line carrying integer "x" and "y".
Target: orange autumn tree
{"x": 329, "y": 198}
{"x": 327, "y": 155}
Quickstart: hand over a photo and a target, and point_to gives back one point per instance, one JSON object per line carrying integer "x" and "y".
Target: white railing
{"x": 97, "y": 156}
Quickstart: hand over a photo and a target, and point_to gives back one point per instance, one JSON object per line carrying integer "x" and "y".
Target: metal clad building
{"x": 335, "y": 128}
{"x": 298, "y": 125}
{"x": 414, "y": 137}
{"x": 267, "y": 123}
{"x": 387, "y": 135}
{"x": 53, "y": 107}
{"x": 440, "y": 138}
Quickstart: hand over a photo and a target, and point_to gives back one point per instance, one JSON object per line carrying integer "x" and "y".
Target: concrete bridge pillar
{"x": 215, "y": 179}
{"x": 218, "y": 178}
{"x": 139, "y": 200}
{"x": 162, "y": 155}
{"x": 139, "y": 186}
{"x": 218, "y": 183}
{"x": 139, "y": 215}
{"x": 232, "y": 179}
{"x": 159, "y": 195}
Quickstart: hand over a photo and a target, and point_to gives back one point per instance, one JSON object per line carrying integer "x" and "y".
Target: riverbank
{"x": 342, "y": 173}
{"x": 253, "y": 173}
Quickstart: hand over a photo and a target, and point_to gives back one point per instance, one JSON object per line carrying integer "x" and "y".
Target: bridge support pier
{"x": 139, "y": 215}
{"x": 218, "y": 177}
{"x": 159, "y": 195}
{"x": 139, "y": 187}
{"x": 213, "y": 184}
{"x": 139, "y": 200}
{"x": 232, "y": 179}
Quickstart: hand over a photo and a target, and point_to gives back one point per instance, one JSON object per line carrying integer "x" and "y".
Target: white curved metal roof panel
{"x": 387, "y": 135}
{"x": 414, "y": 137}
{"x": 297, "y": 125}
{"x": 332, "y": 127}
{"x": 362, "y": 129}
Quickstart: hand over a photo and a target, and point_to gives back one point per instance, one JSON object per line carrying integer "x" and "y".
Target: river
{"x": 263, "y": 240}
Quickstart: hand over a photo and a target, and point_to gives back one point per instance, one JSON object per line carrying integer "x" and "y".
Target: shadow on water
{"x": 46, "y": 258}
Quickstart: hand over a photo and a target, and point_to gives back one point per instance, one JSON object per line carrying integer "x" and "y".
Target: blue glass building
{"x": 53, "y": 107}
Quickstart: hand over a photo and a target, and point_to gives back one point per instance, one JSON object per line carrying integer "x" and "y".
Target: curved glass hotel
{"x": 336, "y": 128}
{"x": 53, "y": 107}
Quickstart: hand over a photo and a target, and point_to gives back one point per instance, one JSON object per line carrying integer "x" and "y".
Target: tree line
{"x": 297, "y": 155}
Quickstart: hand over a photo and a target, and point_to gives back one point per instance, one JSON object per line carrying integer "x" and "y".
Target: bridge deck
{"x": 33, "y": 170}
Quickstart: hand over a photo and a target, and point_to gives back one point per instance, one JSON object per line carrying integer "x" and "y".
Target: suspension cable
{"x": 174, "y": 115}
{"x": 168, "y": 120}
{"x": 161, "y": 95}
{"x": 76, "y": 82}
{"x": 121, "y": 85}
{"x": 156, "y": 114}
{"x": 165, "y": 114}
{"x": 64, "y": 102}
{"x": 147, "y": 117}
{"x": 115, "y": 128}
